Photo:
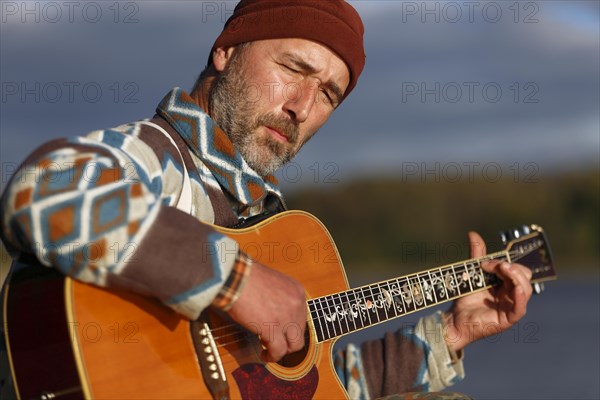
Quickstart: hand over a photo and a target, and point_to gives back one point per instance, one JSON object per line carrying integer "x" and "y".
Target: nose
{"x": 299, "y": 100}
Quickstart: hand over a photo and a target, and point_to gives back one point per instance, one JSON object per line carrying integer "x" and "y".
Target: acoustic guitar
{"x": 70, "y": 340}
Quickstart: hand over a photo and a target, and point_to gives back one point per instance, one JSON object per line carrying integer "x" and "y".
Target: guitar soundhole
{"x": 295, "y": 359}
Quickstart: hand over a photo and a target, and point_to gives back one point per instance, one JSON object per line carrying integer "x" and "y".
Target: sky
{"x": 472, "y": 88}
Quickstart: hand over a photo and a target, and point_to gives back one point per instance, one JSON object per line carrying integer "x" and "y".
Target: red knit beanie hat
{"x": 333, "y": 23}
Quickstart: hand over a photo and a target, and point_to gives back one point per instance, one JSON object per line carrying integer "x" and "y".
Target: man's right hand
{"x": 273, "y": 306}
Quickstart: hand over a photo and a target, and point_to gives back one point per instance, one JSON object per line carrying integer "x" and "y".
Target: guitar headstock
{"x": 528, "y": 246}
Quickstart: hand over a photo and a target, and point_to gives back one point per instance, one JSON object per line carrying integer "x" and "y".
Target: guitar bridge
{"x": 211, "y": 365}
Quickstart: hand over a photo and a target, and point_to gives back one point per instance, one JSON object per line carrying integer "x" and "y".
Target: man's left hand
{"x": 491, "y": 311}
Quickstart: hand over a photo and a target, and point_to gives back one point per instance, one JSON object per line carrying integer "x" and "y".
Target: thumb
{"x": 477, "y": 245}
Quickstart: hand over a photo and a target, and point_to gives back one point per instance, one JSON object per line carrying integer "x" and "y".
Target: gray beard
{"x": 235, "y": 114}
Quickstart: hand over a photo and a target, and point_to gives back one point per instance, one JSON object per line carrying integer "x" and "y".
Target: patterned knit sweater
{"x": 101, "y": 209}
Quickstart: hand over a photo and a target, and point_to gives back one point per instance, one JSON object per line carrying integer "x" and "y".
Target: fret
{"x": 352, "y": 314}
{"x": 431, "y": 288}
{"x": 437, "y": 280}
{"x": 331, "y": 316}
{"x": 361, "y": 317}
{"x": 414, "y": 293}
{"x": 478, "y": 278}
{"x": 459, "y": 282}
{"x": 358, "y": 302}
{"x": 407, "y": 296}
{"x": 444, "y": 283}
{"x": 468, "y": 276}
{"x": 463, "y": 282}
{"x": 383, "y": 299}
{"x": 371, "y": 306}
{"x": 364, "y": 306}
{"x": 509, "y": 257}
{"x": 420, "y": 292}
{"x": 338, "y": 310}
{"x": 388, "y": 294}
{"x": 449, "y": 280}
{"x": 377, "y": 304}
{"x": 396, "y": 294}
{"x": 314, "y": 313}
{"x": 328, "y": 336}
{"x": 423, "y": 286}
{"x": 344, "y": 312}
{"x": 334, "y": 315}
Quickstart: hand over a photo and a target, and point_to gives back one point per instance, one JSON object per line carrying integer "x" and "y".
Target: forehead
{"x": 317, "y": 59}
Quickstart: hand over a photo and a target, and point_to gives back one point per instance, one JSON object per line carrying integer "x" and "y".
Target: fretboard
{"x": 345, "y": 312}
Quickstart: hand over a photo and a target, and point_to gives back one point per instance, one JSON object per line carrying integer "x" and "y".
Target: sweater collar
{"x": 213, "y": 146}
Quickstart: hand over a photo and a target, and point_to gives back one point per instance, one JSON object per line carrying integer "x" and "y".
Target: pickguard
{"x": 256, "y": 382}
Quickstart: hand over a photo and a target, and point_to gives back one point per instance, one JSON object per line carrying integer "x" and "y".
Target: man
{"x": 129, "y": 207}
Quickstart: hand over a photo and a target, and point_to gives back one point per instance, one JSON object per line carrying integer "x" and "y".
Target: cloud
{"x": 429, "y": 89}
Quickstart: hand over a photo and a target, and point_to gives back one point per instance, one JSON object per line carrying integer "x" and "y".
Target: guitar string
{"x": 414, "y": 278}
{"x": 361, "y": 291}
{"x": 246, "y": 334}
{"x": 514, "y": 255}
{"x": 353, "y": 302}
{"x": 321, "y": 318}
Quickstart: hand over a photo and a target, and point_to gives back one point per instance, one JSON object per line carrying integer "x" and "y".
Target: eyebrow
{"x": 306, "y": 67}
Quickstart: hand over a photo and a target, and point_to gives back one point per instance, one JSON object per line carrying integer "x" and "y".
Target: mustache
{"x": 284, "y": 125}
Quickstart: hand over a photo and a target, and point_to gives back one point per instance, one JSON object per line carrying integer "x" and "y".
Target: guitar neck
{"x": 345, "y": 312}
{"x": 359, "y": 308}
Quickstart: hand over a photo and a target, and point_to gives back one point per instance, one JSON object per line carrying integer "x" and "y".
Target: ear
{"x": 221, "y": 57}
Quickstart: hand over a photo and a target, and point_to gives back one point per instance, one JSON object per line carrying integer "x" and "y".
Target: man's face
{"x": 273, "y": 95}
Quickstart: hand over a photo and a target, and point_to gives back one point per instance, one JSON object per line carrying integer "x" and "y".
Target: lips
{"x": 280, "y": 128}
{"x": 280, "y": 135}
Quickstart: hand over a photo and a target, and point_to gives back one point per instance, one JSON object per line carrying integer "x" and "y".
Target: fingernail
{"x": 505, "y": 266}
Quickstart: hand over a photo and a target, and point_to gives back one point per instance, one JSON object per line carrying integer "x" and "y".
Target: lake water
{"x": 553, "y": 353}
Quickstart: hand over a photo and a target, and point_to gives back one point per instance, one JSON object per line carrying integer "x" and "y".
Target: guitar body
{"x": 85, "y": 341}
{"x": 68, "y": 340}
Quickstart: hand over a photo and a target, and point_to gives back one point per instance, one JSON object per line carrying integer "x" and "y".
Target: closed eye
{"x": 328, "y": 96}
{"x": 291, "y": 69}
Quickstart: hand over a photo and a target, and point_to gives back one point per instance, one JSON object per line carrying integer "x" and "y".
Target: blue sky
{"x": 507, "y": 84}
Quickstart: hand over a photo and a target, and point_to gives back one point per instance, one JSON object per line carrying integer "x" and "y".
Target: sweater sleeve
{"x": 96, "y": 208}
{"x": 412, "y": 359}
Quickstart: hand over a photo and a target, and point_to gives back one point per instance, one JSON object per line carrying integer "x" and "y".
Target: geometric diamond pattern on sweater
{"x": 213, "y": 147}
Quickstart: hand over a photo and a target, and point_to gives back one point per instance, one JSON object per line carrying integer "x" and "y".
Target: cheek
{"x": 274, "y": 89}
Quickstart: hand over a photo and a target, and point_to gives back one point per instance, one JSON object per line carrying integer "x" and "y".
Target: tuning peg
{"x": 538, "y": 287}
{"x": 504, "y": 237}
{"x": 512, "y": 234}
